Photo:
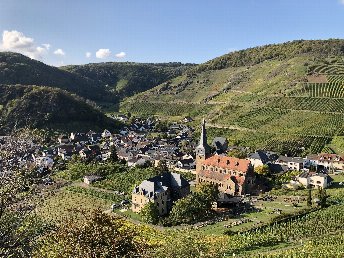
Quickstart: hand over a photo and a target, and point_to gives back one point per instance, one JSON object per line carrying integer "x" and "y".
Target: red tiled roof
{"x": 227, "y": 163}
{"x": 221, "y": 177}
{"x": 327, "y": 156}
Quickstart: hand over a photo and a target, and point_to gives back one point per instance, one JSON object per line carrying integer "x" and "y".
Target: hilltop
{"x": 126, "y": 79}
{"x": 19, "y": 69}
{"x": 285, "y": 97}
{"x": 23, "y": 106}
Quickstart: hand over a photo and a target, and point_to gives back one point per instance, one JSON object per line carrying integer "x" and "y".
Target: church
{"x": 233, "y": 176}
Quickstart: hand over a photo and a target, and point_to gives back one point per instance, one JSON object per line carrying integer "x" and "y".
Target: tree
{"x": 150, "y": 213}
{"x": 237, "y": 154}
{"x": 99, "y": 235}
{"x": 322, "y": 197}
{"x": 162, "y": 167}
{"x": 19, "y": 227}
{"x": 262, "y": 170}
{"x": 209, "y": 193}
{"x": 309, "y": 198}
{"x": 113, "y": 154}
{"x": 195, "y": 207}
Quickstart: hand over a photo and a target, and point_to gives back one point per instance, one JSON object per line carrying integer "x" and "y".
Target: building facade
{"x": 232, "y": 175}
{"x": 161, "y": 190}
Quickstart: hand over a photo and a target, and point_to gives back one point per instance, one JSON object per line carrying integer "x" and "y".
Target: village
{"x": 149, "y": 143}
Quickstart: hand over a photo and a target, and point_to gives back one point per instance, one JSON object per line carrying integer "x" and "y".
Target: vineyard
{"x": 292, "y": 144}
{"x": 334, "y": 89}
{"x": 312, "y": 104}
{"x": 168, "y": 109}
{"x": 311, "y": 225}
{"x": 329, "y": 68}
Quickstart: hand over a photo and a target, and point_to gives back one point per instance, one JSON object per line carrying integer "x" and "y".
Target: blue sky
{"x": 159, "y": 30}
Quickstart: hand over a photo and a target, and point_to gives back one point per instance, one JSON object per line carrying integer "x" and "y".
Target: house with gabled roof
{"x": 162, "y": 190}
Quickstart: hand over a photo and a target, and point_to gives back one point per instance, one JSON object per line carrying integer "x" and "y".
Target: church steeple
{"x": 203, "y": 149}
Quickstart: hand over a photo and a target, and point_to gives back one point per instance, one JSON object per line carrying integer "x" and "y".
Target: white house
{"x": 329, "y": 161}
{"x": 315, "y": 180}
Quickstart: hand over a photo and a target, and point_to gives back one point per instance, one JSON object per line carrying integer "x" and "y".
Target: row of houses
{"x": 280, "y": 163}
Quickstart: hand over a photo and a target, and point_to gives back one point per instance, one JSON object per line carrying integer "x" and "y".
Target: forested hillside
{"x": 287, "y": 97}
{"x": 19, "y": 69}
{"x": 126, "y": 79}
{"x": 44, "y": 107}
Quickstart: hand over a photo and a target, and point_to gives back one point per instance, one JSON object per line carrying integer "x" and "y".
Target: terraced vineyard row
{"x": 320, "y": 90}
{"x": 336, "y": 68}
{"x": 306, "y": 103}
{"x": 292, "y": 144}
{"x": 318, "y": 223}
{"x": 258, "y": 117}
{"x": 306, "y": 123}
{"x": 326, "y": 246}
{"x": 335, "y": 79}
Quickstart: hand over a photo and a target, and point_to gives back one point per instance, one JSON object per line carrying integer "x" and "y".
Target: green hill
{"x": 19, "y": 69}
{"x": 44, "y": 107}
{"x": 286, "y": 97}
{"x": 127, "y": 79}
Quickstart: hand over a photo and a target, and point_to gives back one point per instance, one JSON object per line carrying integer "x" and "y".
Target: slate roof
{"x": 161, "y": 183}
{"x": 261, "y": 155}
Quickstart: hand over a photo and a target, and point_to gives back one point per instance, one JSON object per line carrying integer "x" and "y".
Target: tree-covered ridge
{"x": 288, "y": 50}
{"x": 128, "y": 78}
{"x": 19, "y": 69}
{"x": 44, "y": 107}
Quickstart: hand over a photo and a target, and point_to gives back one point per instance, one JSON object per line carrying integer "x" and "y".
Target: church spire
{"x": 203, "y": 140}
{"x": 203, "y": 148}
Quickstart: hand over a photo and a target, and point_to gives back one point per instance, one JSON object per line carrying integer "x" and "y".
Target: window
{"x": 227, "y": 162}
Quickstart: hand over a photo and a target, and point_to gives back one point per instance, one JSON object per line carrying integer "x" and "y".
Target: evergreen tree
{"x": 113, "y": 155}
{"x": 322, "y": 197}
{"x": 309, "y": 198}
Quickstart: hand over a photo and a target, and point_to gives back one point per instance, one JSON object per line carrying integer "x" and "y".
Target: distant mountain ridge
{"x": 128, "y": 78}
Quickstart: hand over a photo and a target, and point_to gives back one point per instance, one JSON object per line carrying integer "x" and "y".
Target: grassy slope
{"x": 266, "y": 104}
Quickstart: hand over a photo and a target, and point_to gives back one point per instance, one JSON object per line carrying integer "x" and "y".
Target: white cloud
{"x": 59, "y": 52}
{"x": 341, "y": 2}
{"x": 103, "y": 53}
{"x": 46, "y": 46}
{"x": 121, "y": 55}
{"x": 88, "y": 54}
{"x": 16, "y": 41}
